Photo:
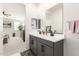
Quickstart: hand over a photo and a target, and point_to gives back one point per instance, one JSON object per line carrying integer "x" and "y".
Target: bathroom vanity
{"x": 45, "y": 45}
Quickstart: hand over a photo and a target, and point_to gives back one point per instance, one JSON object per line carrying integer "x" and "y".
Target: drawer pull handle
{"x": 42, "y": 48}
{"x": 32, "y": 41}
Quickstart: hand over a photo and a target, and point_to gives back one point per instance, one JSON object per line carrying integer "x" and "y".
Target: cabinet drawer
{"x": 32, "y": 37}
{"x": 46, "y": 42}
{"x": 58, "y": 43}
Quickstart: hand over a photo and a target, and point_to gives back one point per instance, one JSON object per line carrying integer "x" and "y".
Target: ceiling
{"x": 42, "y": 6}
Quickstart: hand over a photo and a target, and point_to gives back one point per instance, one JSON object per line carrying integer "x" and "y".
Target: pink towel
{"x": 72, "y": 26}
{"x": 77, "y": 26}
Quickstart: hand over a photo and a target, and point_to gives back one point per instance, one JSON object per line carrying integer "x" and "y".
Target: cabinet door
{"x": 44, "y": 50}
{"x": 58, "y": 50}
{"x": 48, "y": 51}
{"x": 33, "y": 44}
{"x": 40, "y": 49}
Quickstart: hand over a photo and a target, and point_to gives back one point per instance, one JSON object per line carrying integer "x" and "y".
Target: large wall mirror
{"x": 54, "y": 18}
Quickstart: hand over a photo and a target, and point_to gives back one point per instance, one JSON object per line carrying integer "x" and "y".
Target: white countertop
{"x": 55, "y": 38}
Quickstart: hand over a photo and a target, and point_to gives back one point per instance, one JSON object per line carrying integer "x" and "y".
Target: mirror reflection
{"x": 54, "y": 18}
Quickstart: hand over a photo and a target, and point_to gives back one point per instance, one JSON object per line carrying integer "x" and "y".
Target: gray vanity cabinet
{"x": 48, "y": 51}
{"x": 33, "y": 45}
{"x": 42, "y": 47}
{"x": 45, "y": 47}
{"x": 44, "y": 50}
{"x": 58, "y": 48}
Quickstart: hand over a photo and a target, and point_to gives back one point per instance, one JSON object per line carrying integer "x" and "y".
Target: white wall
{"x": 71, "y": 43}
{"x": 1, "y": 30}
{"x": 34, "y": 11}
{"x": 17, "y": 12}
{"x": 31, "y": 12}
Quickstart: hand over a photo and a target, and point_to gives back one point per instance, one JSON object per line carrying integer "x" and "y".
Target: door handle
{"x": 42, "y": 48}
{"x": 32, "y": 41}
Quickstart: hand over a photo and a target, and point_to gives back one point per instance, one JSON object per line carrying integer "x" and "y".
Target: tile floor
{"x": 27, "y": 53}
